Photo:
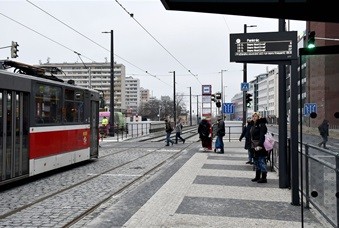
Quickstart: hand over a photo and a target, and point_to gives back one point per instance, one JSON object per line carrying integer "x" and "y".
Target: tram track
{"x": 92, "y": 178}
{"x": 188, "y": 132}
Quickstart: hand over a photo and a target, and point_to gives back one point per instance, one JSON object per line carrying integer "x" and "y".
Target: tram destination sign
{"x": 268, "y": 47}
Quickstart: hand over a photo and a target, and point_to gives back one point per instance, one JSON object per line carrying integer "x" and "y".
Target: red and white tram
{"x": 45, "y": 123}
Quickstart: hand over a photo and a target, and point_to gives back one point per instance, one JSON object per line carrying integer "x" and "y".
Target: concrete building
{"x": 133, "y": 96}
{"x": 96, "y": 76}
{"x": 321, "y": 76}
{"x": 145, "y": 95}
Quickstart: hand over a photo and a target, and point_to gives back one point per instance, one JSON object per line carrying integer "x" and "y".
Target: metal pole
{"x": 190, "y": 106}
{"x": 111, "y": 129}
{"x": 284, "y": 179}
{"x": 222, "y": 94}
{"x": 294, "y": 134}
{"x": 197, "y": 109}
{"x": 90, "y": 77}
{"x": 174, "y": 104}
{"x": 244, "y": 80}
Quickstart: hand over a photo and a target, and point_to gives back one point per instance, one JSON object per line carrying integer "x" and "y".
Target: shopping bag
{"x": 269, "y": 142}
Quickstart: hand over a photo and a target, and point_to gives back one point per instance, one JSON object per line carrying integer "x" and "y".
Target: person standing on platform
{"x": 323, "y": 130}
{"x": 204, "y": 130}
{"x": 246, "y": 134}
{"x": 257, "y": 133}
{"x": 104, "y": 123}
{"x": 168, "y": 129}
{"x": 178, "y": 131}
{"x": 220, "y": 135}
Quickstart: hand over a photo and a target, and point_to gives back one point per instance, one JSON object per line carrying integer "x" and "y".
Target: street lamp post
{"x": 111, "y": 116}
{"x": 197, "y": 109}
{"x": 245, "y": 80}
{"x": 222, "y": 93}
{"x": 174, "y": 103}
{"x": 90, "y": 77}
{"x": 159, "y": 112}
{"x": 190, "y": 106}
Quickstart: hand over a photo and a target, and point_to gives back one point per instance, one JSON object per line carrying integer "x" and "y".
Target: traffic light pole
{"x": 244, "y": 116}
{"x": 5, "y": 47}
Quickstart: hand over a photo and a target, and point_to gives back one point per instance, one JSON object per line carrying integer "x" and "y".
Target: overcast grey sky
{"x": 155, "y": 40}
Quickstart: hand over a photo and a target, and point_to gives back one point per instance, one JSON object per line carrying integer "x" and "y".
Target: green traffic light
{"x": 311, "y": 40}
{"x": 310, "y": 46}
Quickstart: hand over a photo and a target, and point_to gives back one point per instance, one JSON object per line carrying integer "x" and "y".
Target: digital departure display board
{"x": 263, "y": 47}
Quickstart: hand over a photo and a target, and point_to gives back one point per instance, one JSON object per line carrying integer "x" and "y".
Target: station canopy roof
{"x": 303, "y": 10}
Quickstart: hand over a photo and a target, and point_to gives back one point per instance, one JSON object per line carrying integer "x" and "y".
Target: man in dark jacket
{"x": 168, "y": 129}
{"x": 220, "y": 135}
{"x": 246, "y": 134}
{"x": 323, "y": 130}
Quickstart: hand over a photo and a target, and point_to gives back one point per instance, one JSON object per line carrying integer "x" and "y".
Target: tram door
{"x": 94, "y": 129}
{"x": 14, "y": 127}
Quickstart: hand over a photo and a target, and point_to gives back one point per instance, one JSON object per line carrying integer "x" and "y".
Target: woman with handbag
{"x": 257, "y": 133}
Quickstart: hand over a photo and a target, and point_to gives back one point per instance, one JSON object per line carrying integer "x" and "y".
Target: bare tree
{"x": 156, "y": 109}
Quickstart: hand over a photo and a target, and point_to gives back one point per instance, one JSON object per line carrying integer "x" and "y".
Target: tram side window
{"x": 74, "y": 106}
{"x": 47, "y": 104}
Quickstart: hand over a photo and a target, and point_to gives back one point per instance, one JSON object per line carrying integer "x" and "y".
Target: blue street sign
{"x": 245, "y": 86}
{"x": 309, "y": 108}
{"x": 228, "y": 108}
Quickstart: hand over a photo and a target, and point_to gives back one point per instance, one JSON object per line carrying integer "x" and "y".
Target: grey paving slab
{"x": 255, "y": 209}
{"x": 227, "y": 167}
{"x": 234, "y": 181}
{"x": 224, "y": 158}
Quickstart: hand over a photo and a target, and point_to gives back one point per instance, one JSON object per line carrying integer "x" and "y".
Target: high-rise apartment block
{"x": 96, "y": 76}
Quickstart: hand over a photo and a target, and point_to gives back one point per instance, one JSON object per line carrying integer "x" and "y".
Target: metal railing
{"x": 319, "y": 178}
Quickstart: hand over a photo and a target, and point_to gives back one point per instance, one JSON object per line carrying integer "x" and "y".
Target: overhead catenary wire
{"x": 91, "y": 39}
{"x": 132, "y": 16}
{"x": 64, "y": 46}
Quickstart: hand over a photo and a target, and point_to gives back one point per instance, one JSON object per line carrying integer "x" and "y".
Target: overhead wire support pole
{"x": 190, "y": 106}
{"x": 197, "y": 109}
{"x": 112, "y": 86}
{"x": 174, "y": 102}
{"x": 111, "y": 116}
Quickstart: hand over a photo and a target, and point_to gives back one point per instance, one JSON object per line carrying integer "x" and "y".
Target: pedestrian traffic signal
{"x": 218, "y": 96}
{"x": 102, "y": 102}
{"x": 248, "y": 99}
{"x": 311, "y": 40}
{"x": 14, "y": 49}
{"x": 213, "y": 98}
{"x": 218, "y": 104}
